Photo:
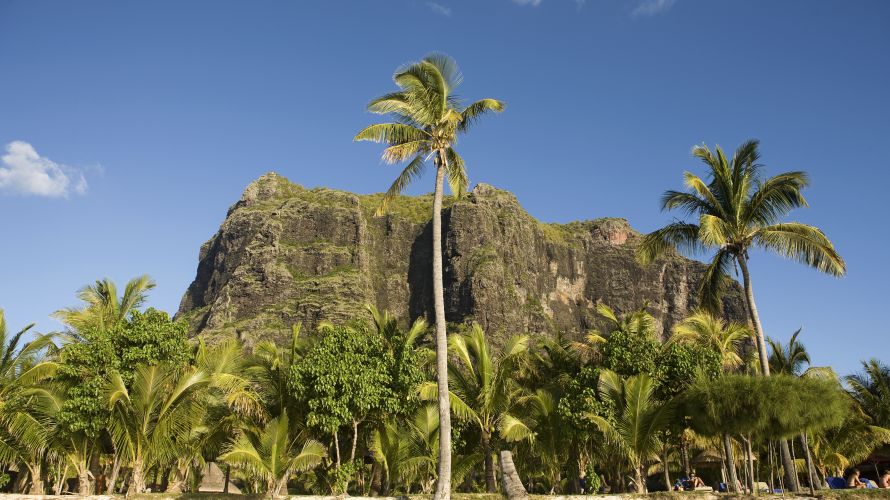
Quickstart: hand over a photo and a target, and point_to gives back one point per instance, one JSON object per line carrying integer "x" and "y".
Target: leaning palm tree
{"x": 102, "y": 307}
{"x": 272, "y": 454}
{"x": 639, "y": 419}
{"x": 713, "y": 332}
{"x": 428, "y": 118}
{"x": 737, "y": 210}
{"x": 485, "y": 390}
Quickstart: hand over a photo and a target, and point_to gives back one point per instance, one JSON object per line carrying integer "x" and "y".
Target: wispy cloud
{"x": 23, "y": 171}
{"x": 652, "y": 7}
{"x": 533, "y": 3}
{"x": 439, "y": 9}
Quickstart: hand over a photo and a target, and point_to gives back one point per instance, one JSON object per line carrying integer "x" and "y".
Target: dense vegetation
{"x": 124, "y": 401}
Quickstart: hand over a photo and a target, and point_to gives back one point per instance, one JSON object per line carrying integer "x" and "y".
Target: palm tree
{"x": 428, "y": 118}
{"x": 147, "y": 420}
{"x": 273, "y": 454}
{"x": 639, "y": 419}
{"x": 871, "y": 389}
{"x": 737, "y": 210}
{"x": 485, "y": 390}
{"x": 726, "y": 338}
{"x": 102, "y": 307}
{"x": 635, "y": 323}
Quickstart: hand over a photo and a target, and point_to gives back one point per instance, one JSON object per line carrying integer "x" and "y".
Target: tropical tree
{"x": 726, "y": 338}
{"x": 871, "y": 389}
{"x": 485, "y": 390}
{"x": 428, "y": 118}
{"x": 638, "y": 420}
{"x": 273, "y": 454}
{"x": 738, "y": 211}
{"x": 160, "y": 409}
{"x": 102, "y": 307}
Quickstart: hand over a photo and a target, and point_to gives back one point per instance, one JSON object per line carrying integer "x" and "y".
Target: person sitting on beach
{"x": 852, "y": 479}
{"x": 884, "y": 479}
{"x": 695, "y": 480}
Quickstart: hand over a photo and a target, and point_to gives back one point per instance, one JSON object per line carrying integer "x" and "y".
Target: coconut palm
{"x": 147, "y": 420}
{"x": 871, "y": 389}
{"x": 485, "y": 390}
{"x": 639, "y": 419}
{"x": 102, "y": 307}
{"x": 726, "y": 338}
{"x": 428, "y": 118}
{"x": 738, "y": 211}
{"x": 273, "y": 454}
{"x": 848, "y": 444}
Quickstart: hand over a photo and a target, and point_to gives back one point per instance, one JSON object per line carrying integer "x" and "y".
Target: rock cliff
{"x": 286, "y": 254}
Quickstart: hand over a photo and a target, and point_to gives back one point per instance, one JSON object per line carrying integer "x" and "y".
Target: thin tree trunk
{"x": 684, "y": 455}
{"x": 115, "y": 470}
{"x": 337, "y": 449}
{"x": 749, "y": 466}
{"x": 811, "y": 473}
{"x": 574, "y": 472}
{"x": 490, "y": 480}
{"x": 667, "y": 473}
{"x": 733, "y": 479}
{"x": 787, "y": 462}
{"x": 443, "y": 484}
{"x": 228, "y": 474}
{"x": 354, "y": 440}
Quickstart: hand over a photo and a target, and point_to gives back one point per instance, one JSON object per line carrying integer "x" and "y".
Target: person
{"x": 884, "y": 479}
{"x": 695, "y": 480}
{"x": 853, "y": 480}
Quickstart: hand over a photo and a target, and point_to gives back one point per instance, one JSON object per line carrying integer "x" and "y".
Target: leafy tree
{"x": 428, "y": 118}
{"x": 102, "y": 308}
{"x": 344, "y": 379}
{"x": 273, "y": 454}
{"x": 639, "y": 417}
{"x": 737, "y": 210}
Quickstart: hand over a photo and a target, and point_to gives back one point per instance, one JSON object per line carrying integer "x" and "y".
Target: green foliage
{"x": 774, "y": 407}
{"x": 630, "y": 353}
{"x": 344, "y": 377}
{"x": 150, "y": 337}
{"x": 678, "y": 365}
{"x": 871, "y": 389}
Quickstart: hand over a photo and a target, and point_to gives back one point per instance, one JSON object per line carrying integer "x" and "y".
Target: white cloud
{"x": 533, "y": 3}
{"x": 653, "y": 7}
{"x": 439, "y": 9}
{"x": 23, "y": 171}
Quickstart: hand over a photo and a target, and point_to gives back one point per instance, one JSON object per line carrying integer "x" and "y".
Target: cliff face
{"x": 286, "y": 254}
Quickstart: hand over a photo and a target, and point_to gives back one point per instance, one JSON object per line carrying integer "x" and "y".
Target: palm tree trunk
{"x": 36, "y": 472}
{"x": 228, "y": 475}
{"x": 490, "y": 481}
{"x": 638, "y": 479}
{"x": 787, "y": 462}
{"x": 115, "y": 470}
{"x": 443, "y": 484}
{"x": 684, "y": 455}
{"x": 137, "y": 478}
{"x": 733, "y": 479}
{"x": 664, "y": 467}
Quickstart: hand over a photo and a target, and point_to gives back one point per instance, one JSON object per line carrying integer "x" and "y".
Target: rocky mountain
{"x": 286, "y": 254}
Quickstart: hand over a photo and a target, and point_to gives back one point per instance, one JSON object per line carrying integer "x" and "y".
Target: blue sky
{"x": 146, "y": 121}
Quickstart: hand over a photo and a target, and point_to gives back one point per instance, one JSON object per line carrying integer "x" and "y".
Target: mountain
{"x": 287, "y": 254}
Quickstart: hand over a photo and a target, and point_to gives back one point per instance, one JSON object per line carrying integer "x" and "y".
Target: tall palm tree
{"x": 273, "y": 454}
{"x": 485, "y": 390}
{"x": 706, "y": 329}
{"x": 428, "y": 118}
{"x": 102, "y": 307}
{"x": 737, "y": 211}
{"x": 871, "y": 389}
{"x": 639, "y": 419}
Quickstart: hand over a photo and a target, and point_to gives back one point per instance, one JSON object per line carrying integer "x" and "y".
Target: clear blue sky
{"x": 148, "y": 121}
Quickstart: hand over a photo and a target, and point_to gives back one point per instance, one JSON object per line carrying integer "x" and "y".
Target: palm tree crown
{"x": 428, "y": 118}
{"x": 738, "y": 210}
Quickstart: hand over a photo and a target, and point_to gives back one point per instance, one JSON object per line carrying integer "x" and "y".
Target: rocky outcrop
{"x": 287, "y": 254}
